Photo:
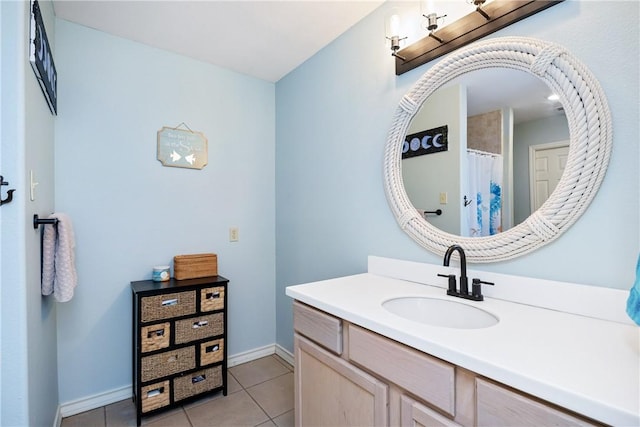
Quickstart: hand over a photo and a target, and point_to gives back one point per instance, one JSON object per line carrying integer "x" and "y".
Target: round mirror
{"x": 589, "y": 128}
{"x": 469, "y": 150}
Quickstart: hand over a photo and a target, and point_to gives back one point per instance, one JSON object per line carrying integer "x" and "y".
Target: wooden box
{"x": 195, "y": 266}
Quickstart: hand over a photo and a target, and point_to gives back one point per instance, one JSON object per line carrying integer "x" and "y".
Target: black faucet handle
{"x": 476, "y": 293}
{"x": 452, "y": 282}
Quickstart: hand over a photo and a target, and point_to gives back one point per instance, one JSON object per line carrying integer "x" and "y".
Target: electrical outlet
{"x": 233, "y": 234}
{"x": 443, "y": 198}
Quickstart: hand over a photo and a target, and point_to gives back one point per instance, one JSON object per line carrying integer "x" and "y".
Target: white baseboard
{"x": 57, "y": 421}
{"x": 250, "y": 355}
{"x": 96, "y": 401}
{"x": 285, "y": 354}
{"x": 108, "y": 397}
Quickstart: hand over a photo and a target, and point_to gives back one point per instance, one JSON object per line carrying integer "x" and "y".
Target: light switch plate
{"x": 233, "y": 234}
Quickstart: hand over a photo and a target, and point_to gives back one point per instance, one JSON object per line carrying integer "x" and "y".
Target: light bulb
{"x": 394, "y": 25}
{"x": 428, "y": 7}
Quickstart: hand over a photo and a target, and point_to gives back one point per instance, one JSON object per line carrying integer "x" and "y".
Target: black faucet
{"x": 464, "y": 286}
{"x": 463, "y": 292}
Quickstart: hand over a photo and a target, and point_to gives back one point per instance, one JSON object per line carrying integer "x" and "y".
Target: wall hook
{"x": 9, "y": 193}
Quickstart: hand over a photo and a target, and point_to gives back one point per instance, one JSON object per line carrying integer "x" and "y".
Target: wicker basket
{"x": 155, "y": 396}
{"x": 212, "y": 298}
{"x": 197, "y": 328}
{"x": 155, "y": 337}
{"x": 168, "y": 363}
{"x": 197, "y": 382}
{"x": 194, "y": 266}
{"x": 211, "y": 352}
{"x": 164, "y": 306}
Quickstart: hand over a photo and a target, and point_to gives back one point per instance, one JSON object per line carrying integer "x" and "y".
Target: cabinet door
{"x": 415, "y": 414}
{"x": 331, "y": 392}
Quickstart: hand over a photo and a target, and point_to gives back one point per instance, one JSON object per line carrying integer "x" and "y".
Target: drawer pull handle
{"x": 169, "y": 302}
{"x": 155, "y": 392}
{"x": 198, "y": 378}
{"x": 156, "y": 333}
{"x": 200, "y": 324}
{"x": 212, "y": 295}
{"x": 212, "y": 348}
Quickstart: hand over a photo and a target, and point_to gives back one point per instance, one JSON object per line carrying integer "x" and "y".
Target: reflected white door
{"x": 546, "y": 166}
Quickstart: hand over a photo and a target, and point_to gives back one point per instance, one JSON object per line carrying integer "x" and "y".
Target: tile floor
{"x": 259, "y": 393}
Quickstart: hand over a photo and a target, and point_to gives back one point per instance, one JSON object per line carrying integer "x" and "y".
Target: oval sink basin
{"x": 440, "y": 312}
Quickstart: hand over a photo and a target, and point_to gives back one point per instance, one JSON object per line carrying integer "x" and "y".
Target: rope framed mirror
{"x": 590, "y": 132}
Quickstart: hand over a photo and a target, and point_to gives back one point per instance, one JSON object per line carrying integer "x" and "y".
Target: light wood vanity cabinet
{"x": 346, "y": 375}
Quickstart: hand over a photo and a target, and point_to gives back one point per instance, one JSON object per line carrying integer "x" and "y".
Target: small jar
{"x": 161, "y": 273}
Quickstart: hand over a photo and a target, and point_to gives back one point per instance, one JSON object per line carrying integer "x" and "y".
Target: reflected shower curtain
{"x": 485, "y": 189}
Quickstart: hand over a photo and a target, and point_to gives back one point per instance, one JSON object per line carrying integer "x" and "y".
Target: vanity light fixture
{"x": 428, "y": 11}
{"x": 489, "y": 17}
{"x": 478, "y": 4}
{"x": 393, "y": 34}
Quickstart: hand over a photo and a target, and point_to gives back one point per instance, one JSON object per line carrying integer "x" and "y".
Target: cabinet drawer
{"x": 197, "y": 382}
{"x": 212, "y": 298}
{"x": 155, "y": 337}
{"x": 168, "y": 363}
{"x": 321, "y": 327}
{"x": 155, "y": 396}
{"x": 498, "y": 406}
{"x": 430, "y": 379}
{"x": 196, "y": 328}
{"x": 165, "y": 306}
{"x": 211, "y": 352}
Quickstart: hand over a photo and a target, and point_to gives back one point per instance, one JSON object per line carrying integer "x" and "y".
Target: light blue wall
{"x": 333, "y": 115}
{"x": 309, "y": 207}
{"x": 29, "y": 366}
{"x": 131, "y": 213}
{"x": 534, "y": 132}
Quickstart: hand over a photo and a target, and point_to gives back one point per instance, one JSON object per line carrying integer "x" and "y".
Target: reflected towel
{"x": 58, "y": 259}
{"x": 633, "y": 303}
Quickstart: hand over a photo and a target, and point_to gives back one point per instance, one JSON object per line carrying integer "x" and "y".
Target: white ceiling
{"x": 268, "y": 39}
{"x": 263, "y": 39}
{"x": 492, "y": 89}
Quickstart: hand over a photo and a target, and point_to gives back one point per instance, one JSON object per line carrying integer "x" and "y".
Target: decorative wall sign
{"x": 41, "y": 58}
{"x": 426, "y": 142}
{"x": 182, "y": 148}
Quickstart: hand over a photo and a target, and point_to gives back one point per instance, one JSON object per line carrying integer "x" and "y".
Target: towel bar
{"x": 436, "y": 212}
{"x": 38, "y": 222}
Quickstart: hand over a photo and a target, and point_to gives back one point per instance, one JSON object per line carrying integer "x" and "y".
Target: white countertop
{"x": 588, "y": 365}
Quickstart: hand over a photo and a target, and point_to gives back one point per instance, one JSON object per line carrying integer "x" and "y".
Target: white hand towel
{"x": 58, "y": 259}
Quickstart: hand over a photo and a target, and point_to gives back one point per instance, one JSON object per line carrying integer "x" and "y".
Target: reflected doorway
{"x": 546, "y": 165}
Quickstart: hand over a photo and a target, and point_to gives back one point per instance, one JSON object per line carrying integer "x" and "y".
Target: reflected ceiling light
{"x": 553, "y": 97}
{"x": 392, "y": 30}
